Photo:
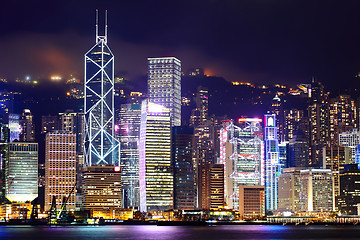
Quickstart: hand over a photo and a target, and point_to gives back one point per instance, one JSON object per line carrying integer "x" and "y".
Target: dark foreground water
{"x": 179, "y": 232}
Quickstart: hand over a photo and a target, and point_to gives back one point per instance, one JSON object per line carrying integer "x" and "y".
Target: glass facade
{"x": 21, "y": 172}
{"x": 129, "y": 153}
{"x": 164, "y": 85}
{"x": 100, "y": 146}
{"x": 155, "y": 170}
{"x": 241, "y": 152}
{"x": 272, "y": 164}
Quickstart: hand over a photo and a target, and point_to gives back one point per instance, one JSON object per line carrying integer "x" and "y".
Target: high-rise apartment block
{"x": 60, "y": 169}
{"x": 343, "y": 117}
{"x": 164, "y": 85}
{"x": 155, "y": 168}
{"x": 21, "y": 171}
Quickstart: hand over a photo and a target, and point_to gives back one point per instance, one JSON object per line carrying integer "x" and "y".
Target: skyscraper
{"x": 164, "y": 85}
{"x": 129, "y": 153}
{"x": 211, "y": 186}
{"x": 100, "y": 146}
{"x": 184, "y": 188}
{"x": 21, "y": 172}
{"x": 27, "y": 125}
{"x": 316, "y": 190}
{"x": 155, "y": 170}
{"x": 343, "y": 117}
{"x": 272, "y": 164}
{"x": 60, "y": 168}
{"x": 241, "y": 152}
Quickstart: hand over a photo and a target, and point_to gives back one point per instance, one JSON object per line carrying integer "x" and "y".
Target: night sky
{"x": 261, "y": 41}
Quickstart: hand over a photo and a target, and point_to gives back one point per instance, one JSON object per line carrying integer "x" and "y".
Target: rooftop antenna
{"x": 97, "y": 25}
{"x": 106, "y": 26}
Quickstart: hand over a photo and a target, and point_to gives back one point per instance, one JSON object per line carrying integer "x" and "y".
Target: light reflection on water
{"x": 152, "y": 232}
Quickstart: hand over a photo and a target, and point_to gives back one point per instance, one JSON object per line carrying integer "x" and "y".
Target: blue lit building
{"x": 272, "y": 164}
{"x": 100, "y": 145}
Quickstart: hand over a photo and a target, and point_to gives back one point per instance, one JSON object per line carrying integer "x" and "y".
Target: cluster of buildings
{"x": 111, "y": 160}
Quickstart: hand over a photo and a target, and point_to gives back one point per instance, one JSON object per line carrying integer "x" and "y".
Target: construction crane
{"x": 55, "y": 217}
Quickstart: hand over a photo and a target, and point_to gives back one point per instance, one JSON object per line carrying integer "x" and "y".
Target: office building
{"x": 351, "y": 139}
{"x": 251, "y": 201}
{"x": 100, "y": 145}
{"x": 27, "y": 126}
{"x": 299, "y": 149}
{"x": 319, "y": 122}
{"x": 316, "y": 190}
{"x": 21, "y": 172}
{"x": 289, "y": 190}
{"x": 155, "y": 169}
{"x": 335, "y": 158}
{"x": 277, "y": 108}
{"x": 101, "y": 188}
{"x": 349, "y": 197}
{"x": 74, "y": 123}
{"x": 184, "y": 188}
{"x": 211, "y": 186}
{"x": 272, "y": 164}
{"x": 129, "y": 127}
{"x": 60, "y": 169}
{"x": 242, "y": 154}
{"x": 164, "y": 85}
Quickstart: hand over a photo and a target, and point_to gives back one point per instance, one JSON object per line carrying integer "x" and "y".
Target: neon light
{"x": 249, "y": 120}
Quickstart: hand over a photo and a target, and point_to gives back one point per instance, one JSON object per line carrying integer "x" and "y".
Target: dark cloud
{"x": 253, "y": 40}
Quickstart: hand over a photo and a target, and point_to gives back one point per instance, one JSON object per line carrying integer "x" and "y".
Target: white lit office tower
{"x": 272, "y": 164}
{"x": 60, "y": 169}
{"x": 351, "y": 139}
{"x": 100, "y": 145}
{"x": 129, "y": 125}
{"x": 316, "y": 190}
{"x": 164, "y": 85}
{"x": 155, "y": 172}
{"x": 27, "y": 125}
{"x": 21, "y": 172}
{"x": 242, "y": 153}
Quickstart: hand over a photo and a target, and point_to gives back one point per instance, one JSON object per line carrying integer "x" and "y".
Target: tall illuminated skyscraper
{"x": 155, "y": 170}
{"x": 21, "y": 172}
{"x": 164, "y": 85}
{"x": 129, "y": 125}
{"x": 272, "y": 164}
{"x": 60, "y": 168}
{"x": 241, "y": 152}
{"x": 100, "y": 146}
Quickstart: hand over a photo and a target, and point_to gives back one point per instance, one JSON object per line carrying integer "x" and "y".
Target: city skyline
{"x": 185, "y": 146}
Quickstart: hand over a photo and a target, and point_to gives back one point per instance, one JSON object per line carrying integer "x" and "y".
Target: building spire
{"x": 106, "y": 26}
{"x": 97, "y": 26}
